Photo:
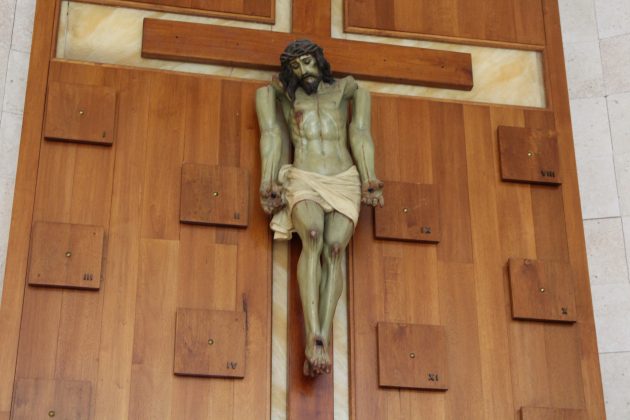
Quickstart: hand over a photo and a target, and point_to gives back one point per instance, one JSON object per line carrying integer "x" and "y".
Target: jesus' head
{"x": 303, "y": 65}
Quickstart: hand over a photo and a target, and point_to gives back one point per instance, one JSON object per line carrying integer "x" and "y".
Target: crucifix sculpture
{"x": 318, "y": 196}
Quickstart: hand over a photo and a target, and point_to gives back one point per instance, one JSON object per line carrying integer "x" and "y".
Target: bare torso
{"x": 318, "y": 127}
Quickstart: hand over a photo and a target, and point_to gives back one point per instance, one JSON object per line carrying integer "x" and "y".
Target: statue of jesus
{"x": 319, "y": 194}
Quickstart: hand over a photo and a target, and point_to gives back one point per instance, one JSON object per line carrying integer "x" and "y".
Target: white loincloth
{"x": 341, "y": 193}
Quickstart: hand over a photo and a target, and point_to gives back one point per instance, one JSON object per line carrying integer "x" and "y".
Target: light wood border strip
{"x": 46, "y": 15}
{"x": 186, "y": 11}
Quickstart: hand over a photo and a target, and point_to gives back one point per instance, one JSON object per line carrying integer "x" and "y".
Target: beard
{"x": 310, "y": 83}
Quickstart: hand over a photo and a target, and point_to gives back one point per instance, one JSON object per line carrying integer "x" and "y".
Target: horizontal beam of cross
{"x": 200, "y": 43}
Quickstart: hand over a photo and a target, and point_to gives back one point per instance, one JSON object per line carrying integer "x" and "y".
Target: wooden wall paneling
{"x": 529, "y": 155}
{"x": 82, "y": 114}
{"x": 122, "y": 265}
{"x": 542, "y": 290}
{"x": 493, "y": 318}
{"x": 540, "y": 413}
{"x": 262, "y": 11}
{"x": 412, "y": 356}
{"x": 42, "y": 398}
{"x": 312, "y": 19}
{"x": 210, "y": 343}
{"x": 450, "y": 168}
{"x": 66, "y": 255}
{"x": 411, "y": 213}
{"x": 13, "y": 298}
{"x": 458, "y": 314}
{"x": 154, "y": 331}
{"x": 214, "y": 195}
{"x": 490, "y": 21}
{"x": 576, "y": 249}
{"x": 74, "y": 185}
{"x": 194, "y": 42}
{"x": 517, "y": 233}
{"x": 164, "y": 152}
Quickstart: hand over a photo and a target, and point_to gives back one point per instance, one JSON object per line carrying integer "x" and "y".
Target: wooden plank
{"x": 412, "y": 356}
{"x": 26, "y": 179}
{"x": 490, "y": 290}
{"x": 165, "y": 145}
{"x": 542, "y": 413}
{"x": 262, "y": 11}
{"x": 210, "y": 343}
{"x": 182, "y": 41}
{"x": 154, "y": 333}
{"x": 311, "y": 18}
{"x": 501, "y": 21}
{"x": 123, "y": 258}
{"x": 411, "y": 213}
{"x": 214, "y": 195}
{"x": 66, "y": 255}
{"x": 82, "y": 114}
{"x": 542, "y": 290}
{"x": 42, "y": 398}
{"x": 529, "y": 155}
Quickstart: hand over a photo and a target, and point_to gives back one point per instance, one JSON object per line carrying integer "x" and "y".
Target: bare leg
{"x": 337, "y": 233}
{"x": 308, "y": 219}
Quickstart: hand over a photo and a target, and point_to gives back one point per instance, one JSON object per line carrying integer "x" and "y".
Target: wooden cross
{"x": 182, "y": 41}
{"x": 194, "y": 42}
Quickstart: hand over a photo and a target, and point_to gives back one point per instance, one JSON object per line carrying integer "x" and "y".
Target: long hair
{"x": 295, "y": 50}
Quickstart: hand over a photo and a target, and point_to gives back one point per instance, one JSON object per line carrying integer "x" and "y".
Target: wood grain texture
{"x": 542, "y": 290}
{"x": 214, "y": 195}
{"x": 42, "y": 398}
{"x": 210, "y": 343}
{"x": 66, "y": 255}
{"x": 529, "y": 155}
{"x": 311, "y": 18}
{"x": 82, "y": 114}
{"x": 262, "y": 11}
{"x": 412, "y": 356}
{"x": 539, "y": 413}
{"x": 182, "y": 41}
{"x": 512, "y": 21}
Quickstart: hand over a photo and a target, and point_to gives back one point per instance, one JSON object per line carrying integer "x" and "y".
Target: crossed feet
{"x": 317, "y": 358}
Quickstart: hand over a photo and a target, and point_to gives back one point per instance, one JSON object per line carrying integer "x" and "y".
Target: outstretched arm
{"x": 270, "y": 149}
{"x": 362, "y": 148}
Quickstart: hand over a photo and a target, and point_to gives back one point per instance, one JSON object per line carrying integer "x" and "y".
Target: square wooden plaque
{"x": 214, "y": 195}
{"x": 412, "y": 356}
{"x": 542, "y": 290}
{"x": 51, "y": 399}
{"x": 80, "y": 113}
{"x": 529, "y": 155}
{"x": 66, "y": 255}
{"x": 411, "y": 213}
{"x": 210, "y": 343}
{"x": 540, "y": 413}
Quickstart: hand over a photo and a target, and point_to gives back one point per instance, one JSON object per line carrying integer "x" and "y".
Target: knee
{"x": 334, "y": 251}
{"x": 313, "y": 240}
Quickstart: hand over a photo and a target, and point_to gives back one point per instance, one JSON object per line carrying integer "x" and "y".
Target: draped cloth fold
{"x": 341, "y": 193}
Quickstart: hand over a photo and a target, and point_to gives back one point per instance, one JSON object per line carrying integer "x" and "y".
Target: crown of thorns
{"x": 297, "y": 49}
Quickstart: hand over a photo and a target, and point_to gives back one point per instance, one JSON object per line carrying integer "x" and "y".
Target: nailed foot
{"x": 317, "y": 358}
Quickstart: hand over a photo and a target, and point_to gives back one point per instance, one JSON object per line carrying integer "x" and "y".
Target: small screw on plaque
{"x": 210, "y": 342}
{"x": 81, "y": 112}
{"x": 405, "y": 210}
{"x": 412, "y": 355}
{"x": 51, "y": 413}
{"x": 542, "y": 290}
{"x": 530, "y": 154}
{"x": 216, "y": 193}
{"x": 68, "y": 254}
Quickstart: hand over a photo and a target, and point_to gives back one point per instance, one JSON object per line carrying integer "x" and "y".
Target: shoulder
{"x": 271, "y": 92}
{"x": 349, "y": 86}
